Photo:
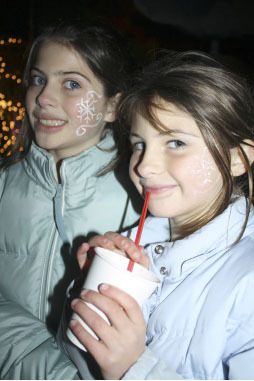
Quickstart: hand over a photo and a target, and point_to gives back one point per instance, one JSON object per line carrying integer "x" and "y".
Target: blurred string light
{"x": 11, "y": 109}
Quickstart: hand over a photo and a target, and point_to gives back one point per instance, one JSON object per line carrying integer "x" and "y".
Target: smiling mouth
{"x": 51, "y": 122}
{"x": 160, "y": 189}
{"x": 49, "y": 125}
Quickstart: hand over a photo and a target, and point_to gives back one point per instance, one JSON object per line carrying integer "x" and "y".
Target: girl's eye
{"x": 176, "y": 144}
{"x": 37, "y": 80}
{"x": 72, "y": 85}
{"x": 138, "y": 146}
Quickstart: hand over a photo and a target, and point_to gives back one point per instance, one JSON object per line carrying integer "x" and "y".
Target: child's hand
{"x": 115, "y": 242}
{"x": 82, "y": 255}
{"x": 122, "y": 245}
{"x": 121, "y": 343}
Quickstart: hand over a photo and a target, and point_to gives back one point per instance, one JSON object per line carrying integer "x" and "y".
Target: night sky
{"x": 223, "y": 28}
{"x": 220, "y": 27}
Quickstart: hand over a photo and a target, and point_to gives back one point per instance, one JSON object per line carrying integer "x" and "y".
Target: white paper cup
{"x": 111, "y": 268}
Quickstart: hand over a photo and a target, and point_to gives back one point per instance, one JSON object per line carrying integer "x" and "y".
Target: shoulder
{"x": 236, "y": 278}
{"x": 241, "y": 255}
{"x": 3, "y": 175}
{"x": 238, "y": 263}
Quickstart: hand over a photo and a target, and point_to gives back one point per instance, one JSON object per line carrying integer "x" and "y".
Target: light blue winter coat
{"x": 41, "y": 224}
{"x": 201, "y": 319}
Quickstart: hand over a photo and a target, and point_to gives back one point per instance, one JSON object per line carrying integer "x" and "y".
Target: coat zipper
{"x": 48, "y": 266}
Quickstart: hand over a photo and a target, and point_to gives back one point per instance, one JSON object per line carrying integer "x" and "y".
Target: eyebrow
{"x": 176, "y": 131}
{"x": 61, "y": 72}
{"x": 168, "y": 132}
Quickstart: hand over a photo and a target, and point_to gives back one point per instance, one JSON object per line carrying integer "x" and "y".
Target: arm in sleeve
{"x": 86, "y": 365}
{"x": 241, "y": 366}
{"x": 27, "y": 349}
{"x": 240, "y": 361}
{"x": 149, "y": 367}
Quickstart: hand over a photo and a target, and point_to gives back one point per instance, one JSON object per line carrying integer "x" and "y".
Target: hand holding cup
{"x": 111, "y": 268}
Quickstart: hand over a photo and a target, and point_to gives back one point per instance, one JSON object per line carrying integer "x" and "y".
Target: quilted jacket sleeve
{"x": 240, "y": 362}
{"x": 241, "y": 366}
{"x": 27, "y": 349}
{"x": 150, "y": 367}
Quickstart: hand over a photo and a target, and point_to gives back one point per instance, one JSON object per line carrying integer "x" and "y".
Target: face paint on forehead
{"x": 203, "y": 169}
{"x": 88, "y": 115}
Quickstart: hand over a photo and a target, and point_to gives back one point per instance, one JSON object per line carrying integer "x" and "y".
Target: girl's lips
{"x": 49, "y": 125}
{"x": 160, "y": 189}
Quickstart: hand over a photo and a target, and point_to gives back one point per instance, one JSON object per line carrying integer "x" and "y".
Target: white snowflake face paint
{"x": 64, "y": 102}
{"x": 88, "y": 114}
{"x": 202, "y": 168}
{"x": 176, "y": 168}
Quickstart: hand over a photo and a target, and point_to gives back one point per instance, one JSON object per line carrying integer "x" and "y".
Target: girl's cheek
{"x": 89, "y": 112}
{"x": 203, "y": 172}
{"x": 132, "y": 174}
{"x": 133, "y": 171}
{"x": 134, "y": 162}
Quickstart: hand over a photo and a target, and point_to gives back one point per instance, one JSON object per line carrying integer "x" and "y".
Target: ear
{"x": 238, "y": 162}
{"x": 112, "y": 103}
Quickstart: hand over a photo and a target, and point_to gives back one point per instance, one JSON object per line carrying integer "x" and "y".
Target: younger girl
{"x": 62, "y": 188}
{"x": 192, "y": 133}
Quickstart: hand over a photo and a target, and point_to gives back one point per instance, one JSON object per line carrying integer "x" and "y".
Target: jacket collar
{"x": 41, "y": 167}
{"x": 215, "y": 238}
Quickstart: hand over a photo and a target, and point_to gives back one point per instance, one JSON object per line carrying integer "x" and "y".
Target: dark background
{"x": 223, "y": 28}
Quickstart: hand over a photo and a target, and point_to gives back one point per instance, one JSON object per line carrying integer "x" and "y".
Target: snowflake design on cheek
{"x": 204, "y": 169}
{"x": 87, "y": 112}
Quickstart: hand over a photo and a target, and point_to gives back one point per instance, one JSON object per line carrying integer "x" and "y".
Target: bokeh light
{"x": 11, "y": 103}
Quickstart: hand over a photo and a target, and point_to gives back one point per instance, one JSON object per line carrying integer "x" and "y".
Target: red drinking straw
{"x": 140, "y": 227}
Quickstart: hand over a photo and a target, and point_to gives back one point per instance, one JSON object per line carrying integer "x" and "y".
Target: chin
{"x": 159, "y": 212}
{"x": 46, "y": 142}
{"x": 43, "y": 144}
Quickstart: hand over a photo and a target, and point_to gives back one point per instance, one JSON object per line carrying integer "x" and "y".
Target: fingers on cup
{"x": 126, "y": 245}
{"x": 82, "y": 254}
{"x": 102, "y": 241}
{"x": 85, "y": 338}
{"x": 89, "y": 316}
{"x": 127, "y": 303}
{"x": 111, "y": 308}
{"x": 144, "y": 259}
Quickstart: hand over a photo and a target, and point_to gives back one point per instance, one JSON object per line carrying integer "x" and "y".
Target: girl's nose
{"x": 149, "y": 165}
{"x": 46, "y": 97}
